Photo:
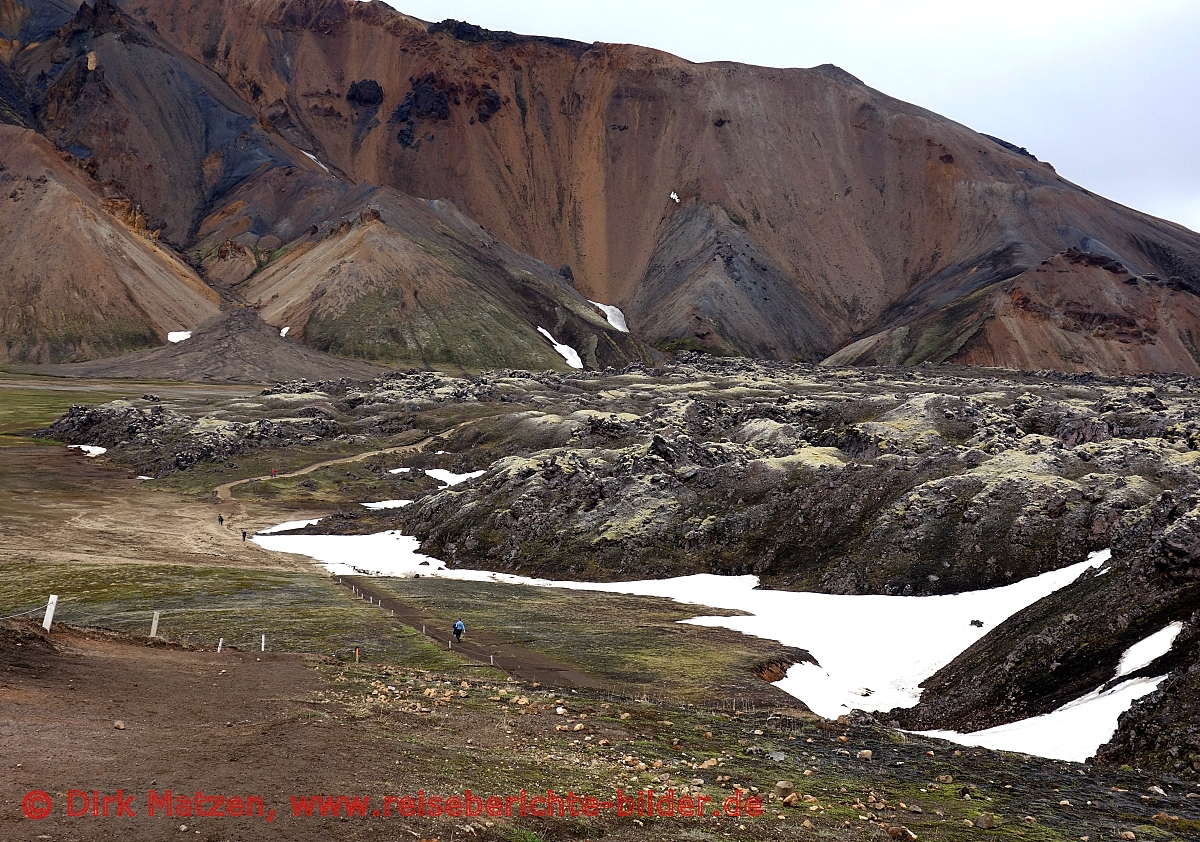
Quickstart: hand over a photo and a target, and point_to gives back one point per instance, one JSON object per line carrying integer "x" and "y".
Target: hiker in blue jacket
{"x": 459, "y": 628}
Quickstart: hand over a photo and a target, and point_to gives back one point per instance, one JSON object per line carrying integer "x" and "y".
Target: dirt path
{"x": 225, "y": 492}
{"x": 515, "y": 660}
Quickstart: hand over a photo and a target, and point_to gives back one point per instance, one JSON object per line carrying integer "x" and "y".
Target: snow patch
{"x": 314, "y": 160}
{"x": 90, "y": 449}
{"x": 566, "y": 351}
{"x": 675, "y": 197}
{"x": 142, "y": 477}
{"x": 179, "y": 335}
{"x": 284, "y": 331}
{"x": 1073, "y": 732}
{"x": 388, "y": 504}
{"x": 289, "y": 525}
{"x": 451, "y": 478}
{"x": 614, "y": 315}
{"x": 1144, "y": 652}
{"x": 399, "y": 470}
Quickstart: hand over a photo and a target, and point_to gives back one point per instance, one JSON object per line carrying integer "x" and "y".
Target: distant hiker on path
{"x": 243, "y": 534}
{"x": 273, "y": 474}
{"x": 459, "y": 628}
{"x": 220, "y": 520}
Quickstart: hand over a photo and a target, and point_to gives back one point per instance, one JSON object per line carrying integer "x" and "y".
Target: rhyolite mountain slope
{"x": 79, "y": 276}
{"x": 812, "y": 210}
{"x": 177, "y": 165}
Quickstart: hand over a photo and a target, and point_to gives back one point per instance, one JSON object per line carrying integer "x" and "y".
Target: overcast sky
{"x": 1108, "y": 92}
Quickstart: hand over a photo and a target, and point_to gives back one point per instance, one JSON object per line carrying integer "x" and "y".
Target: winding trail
{"x": 225, "y": 492}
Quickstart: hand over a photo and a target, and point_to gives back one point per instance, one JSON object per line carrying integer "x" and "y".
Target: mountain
{"x": 812, "y": 212}
{"x": 280, "y": 148}
{"x": 207, "y": 196}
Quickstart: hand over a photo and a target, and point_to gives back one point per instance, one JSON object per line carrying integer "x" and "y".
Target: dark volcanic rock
{"x": 366, "y": 94}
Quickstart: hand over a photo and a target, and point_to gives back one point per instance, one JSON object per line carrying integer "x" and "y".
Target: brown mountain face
{"x": 812, "y": 210}
{"x": 178, "y": 161}
{"x": 773, "y": 213}
{"x": 82, "y": 277}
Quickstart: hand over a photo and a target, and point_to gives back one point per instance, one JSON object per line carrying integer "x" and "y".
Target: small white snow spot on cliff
{"x": 566, "y": 351}
{"x": 614, "y": 315}
{"x": 179, "y": 335}
{"x": 675, "y": 196}
{"x": 283, "y": 331}
{"x": 90, "y": 449}
{"x": 314, "y": 158}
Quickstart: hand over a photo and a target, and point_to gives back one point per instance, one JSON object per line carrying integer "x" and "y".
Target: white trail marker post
{"x": 50, "y": 611}
{"x": 154, "y": 624}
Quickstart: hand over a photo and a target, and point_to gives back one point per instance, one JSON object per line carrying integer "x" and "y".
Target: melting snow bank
{"x": 287, "y": 526}
{"x": 90, "y": 449}
{"x": 179, "y": 335}
{"x": 1078, "y": 728}
{"x": 388, "y": 504}
{"x": 1073, "y": 732}
{"x": 565, "y": 351}
{"x": 860, "y": 665}
{"x": 283, "y": 331}
{"x": 451, "y": 478}
{"x": 1145, "y": 652}
{"x": 614, "y": 315}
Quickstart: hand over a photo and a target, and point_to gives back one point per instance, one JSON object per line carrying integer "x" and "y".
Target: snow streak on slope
{"x": 565, "y": 351}
{"x": 614, "y": 315}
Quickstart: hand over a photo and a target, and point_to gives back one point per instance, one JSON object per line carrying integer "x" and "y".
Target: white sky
{"x": 1108, "y": 92}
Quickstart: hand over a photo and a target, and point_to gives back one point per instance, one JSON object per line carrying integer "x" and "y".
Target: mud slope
{"x": 81, "y": 276}
{"x": 812, "y": 210}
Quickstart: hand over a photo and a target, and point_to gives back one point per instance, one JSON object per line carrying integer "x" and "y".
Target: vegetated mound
{"x": 82, "y": 276}
{"x": 235, "y": 346}
{"x": 684, "y": 194}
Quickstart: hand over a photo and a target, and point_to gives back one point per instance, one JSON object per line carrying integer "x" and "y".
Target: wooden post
{"x": 50, "y": 611}
{"x": 356, "y": 654}
{"x": 154, "y": 624}
{"x": 220, "y": 643}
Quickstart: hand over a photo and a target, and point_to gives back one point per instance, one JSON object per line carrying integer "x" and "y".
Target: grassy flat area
{"x": 298, "y": 612}
{"x": 636, "y": 644}
{"x": 25, "y": 410}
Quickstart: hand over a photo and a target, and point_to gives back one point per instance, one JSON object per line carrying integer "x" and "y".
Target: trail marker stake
{"x": 264, "y": 643}
{"x": 50, "y": 611}
{"x": 154, "y": 624}
{"x": 356, "y": 654}
{"x": 220, "y": 643}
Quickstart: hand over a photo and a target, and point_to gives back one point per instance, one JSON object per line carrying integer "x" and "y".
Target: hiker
{"x": 459, "y": 628}
{"x": 220, "y": 520}
{"x": 273, "y": 474}
{"x": 243, "y": 534}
